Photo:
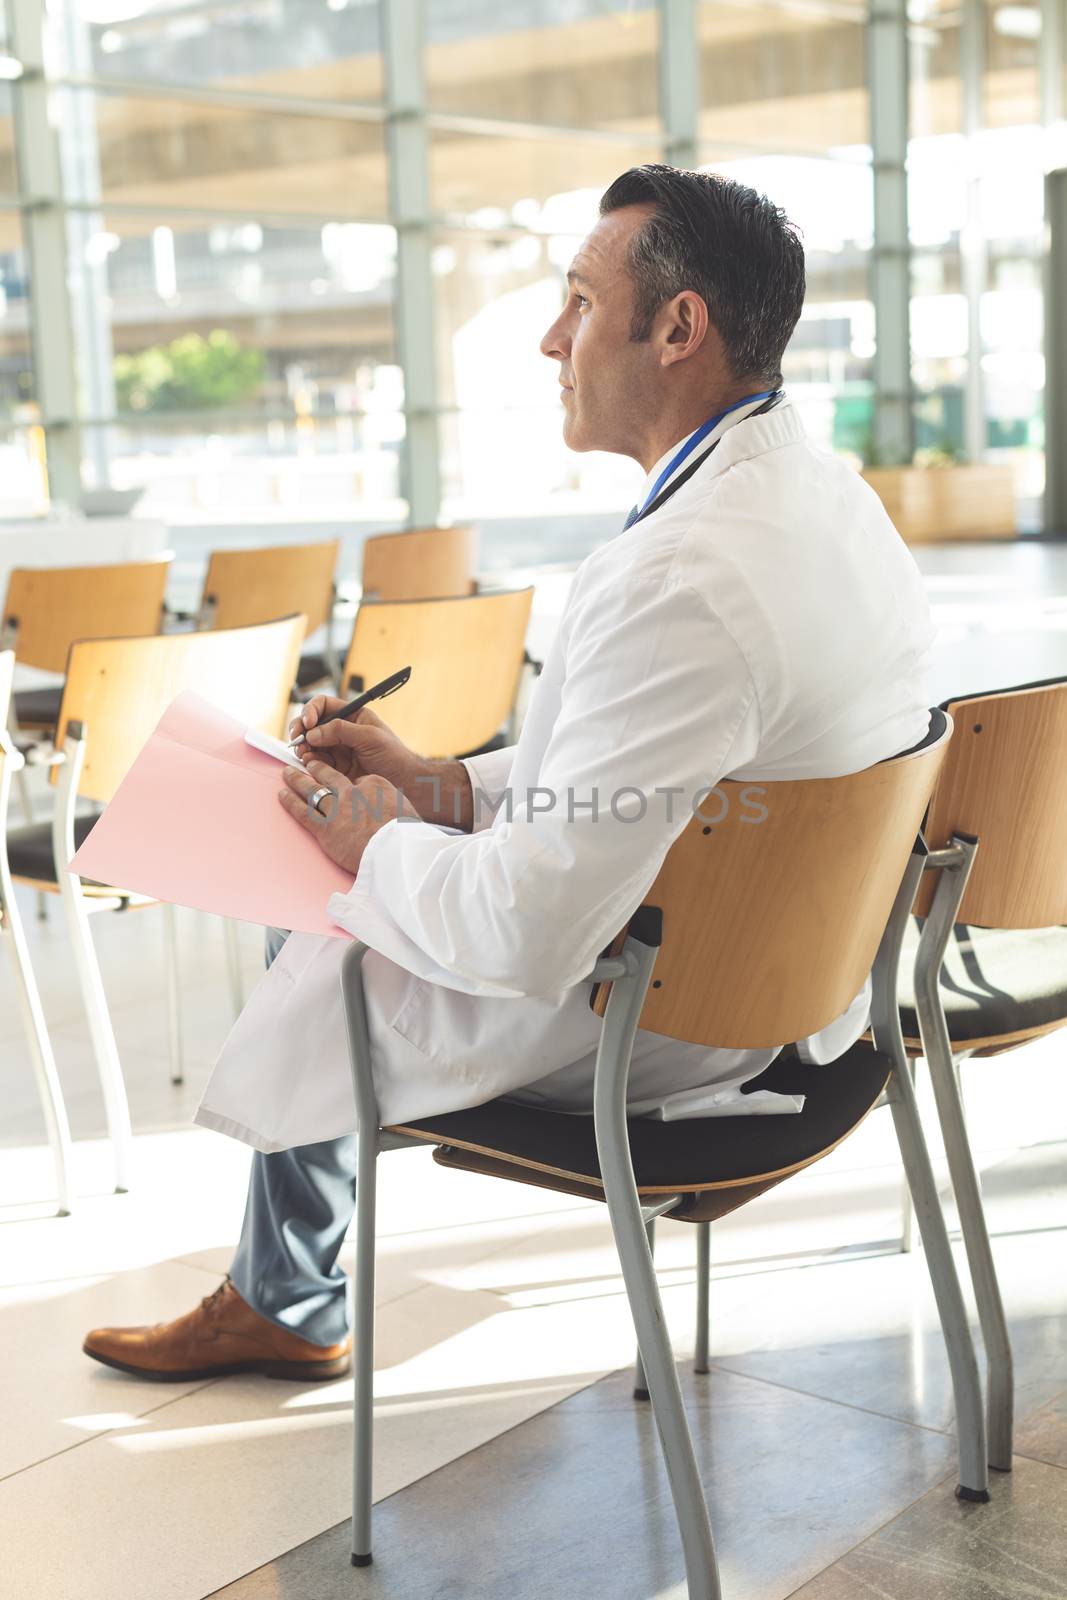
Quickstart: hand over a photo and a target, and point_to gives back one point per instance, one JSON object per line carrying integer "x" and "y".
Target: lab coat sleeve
{"x": 489, "y": 775}
{"x": 657, "y": 705}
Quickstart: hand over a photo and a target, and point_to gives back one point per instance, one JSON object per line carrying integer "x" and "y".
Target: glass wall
{"x": 228, "y": 180}
{"x": 979, "y": 148}
{"x": 231, "y": 260}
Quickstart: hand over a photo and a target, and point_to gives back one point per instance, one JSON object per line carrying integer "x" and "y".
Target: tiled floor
{"x": 511, "y": 1461}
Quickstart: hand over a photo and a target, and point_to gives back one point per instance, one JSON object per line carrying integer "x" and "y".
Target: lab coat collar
{"x": 768, "y": 432}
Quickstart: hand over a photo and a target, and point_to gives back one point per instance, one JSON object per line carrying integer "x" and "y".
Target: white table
{"x": 78, "y": 542}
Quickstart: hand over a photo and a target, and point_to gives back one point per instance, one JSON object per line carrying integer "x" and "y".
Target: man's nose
{"x": 556, "y": 344}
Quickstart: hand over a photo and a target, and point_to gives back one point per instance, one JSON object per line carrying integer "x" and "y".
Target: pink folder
{"x": 197, "y": 821}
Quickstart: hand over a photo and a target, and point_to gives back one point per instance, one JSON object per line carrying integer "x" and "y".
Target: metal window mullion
{"x": 679, "y": 77}
{"x": 45, "y": 242}
{"x": 407, "y": 144}
{"x": 974, "y": 261}
{"x": 890, "y": 269}
{"x": 79, "y": 147}
{"x": 206, "y": 94}
{"x": 1055, "y": 353}
{"x": 1052, "y": 59}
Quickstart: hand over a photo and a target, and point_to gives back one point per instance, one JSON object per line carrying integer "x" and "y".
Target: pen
{"x": 387, "y": 686}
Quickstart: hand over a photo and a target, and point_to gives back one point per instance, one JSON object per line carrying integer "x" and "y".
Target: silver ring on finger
{"x": 318, "y": 797}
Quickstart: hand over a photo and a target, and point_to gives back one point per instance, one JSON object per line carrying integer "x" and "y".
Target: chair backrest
{"x": 421, "y": 564}
{"x": 7, "y": 673}
{"x": 119, "y": 688}
{"x": 243, "y": 587}
{"x": 1004, "y": 782}
{"x": 466, "y": 658}
{"x": 47, "y": 608}
{"x": 772, "y": 917}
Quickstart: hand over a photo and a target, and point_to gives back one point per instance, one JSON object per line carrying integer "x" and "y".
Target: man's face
{"x": 605, "y": 378}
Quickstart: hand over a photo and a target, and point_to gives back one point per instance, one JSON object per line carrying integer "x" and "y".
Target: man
{"x": 758, "y": 618}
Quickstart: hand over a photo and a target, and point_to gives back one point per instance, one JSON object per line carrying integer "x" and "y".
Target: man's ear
{"x": 685, "y": 324}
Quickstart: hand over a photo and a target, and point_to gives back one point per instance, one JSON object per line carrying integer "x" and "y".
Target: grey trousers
{"x": 299, "y": 1205}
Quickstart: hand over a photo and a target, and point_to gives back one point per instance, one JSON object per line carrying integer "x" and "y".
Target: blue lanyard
{"x": 690, "y": 445}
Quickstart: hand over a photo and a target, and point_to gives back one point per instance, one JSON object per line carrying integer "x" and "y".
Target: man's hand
{"x": 440, "y": 791}
{"x": 356, "y": 748}
{"x": 351, "y": 814}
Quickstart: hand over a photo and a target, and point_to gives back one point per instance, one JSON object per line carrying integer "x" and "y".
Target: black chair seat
{"x": 698, "y": 1153}
{"x": 994, "y": 981}
{"x": 312, "y": 668}
{"x": 38, "y": 708}
{"x": 29, "y": 849}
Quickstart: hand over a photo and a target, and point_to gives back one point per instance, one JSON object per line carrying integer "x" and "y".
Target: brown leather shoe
{"x": 221, "y": 1336}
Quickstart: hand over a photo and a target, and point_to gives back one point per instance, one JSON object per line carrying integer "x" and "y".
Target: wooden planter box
{"x": 929, "y": 504}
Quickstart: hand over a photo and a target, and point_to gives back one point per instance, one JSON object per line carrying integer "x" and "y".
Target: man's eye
{"x": 582, "y": 302}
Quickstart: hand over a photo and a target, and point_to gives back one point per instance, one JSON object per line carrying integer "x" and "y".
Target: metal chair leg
{"x": 639, "y": 1276}
{"x": 701, "y": 1353}
{"x": 900, "y": 1093}
{"x": 87, "y": 967}
{"x": 231, "y": 940}
{"x": 966, "y": 1383}
{"x": 44, "y": 1065}
{"x": 965, "y": 1182}
{"x": 22, "y": 782}
{"x": 368, "y": 1143}
{"x": 640, "y": 1382}
{"x": 907, "y": 1210}
{"x": 101, "y": 1032}
{"x": 174, "y": 1001}
{"x": 363, "y": 1352}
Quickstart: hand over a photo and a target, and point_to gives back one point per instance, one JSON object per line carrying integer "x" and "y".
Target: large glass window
{"x": 485, "y": 175}
{"x": 150, "y": 150}
{"x": 827, "y": 366}
{"x": 309, "y": 49}
{"x": 561, "y": 63}
{"x": 502, "y": 446}
{"x": 16, "y": 366}
{"x": 1011, "y": 88}
{"x": 781, "y": 76}
{"x": 233, "y": 266}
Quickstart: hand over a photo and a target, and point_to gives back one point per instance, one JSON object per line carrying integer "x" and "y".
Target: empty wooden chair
{"x": 11, "y": 931}
{"x": 243, "y": 587}
{"x": 990, "y": 969}
{"x": 750, "y": 935}
{"x": 47, "y": 608}
{"x": 115, "y": 692}
{"x": 419, "y": 564}
{"x": 466, "y": 657}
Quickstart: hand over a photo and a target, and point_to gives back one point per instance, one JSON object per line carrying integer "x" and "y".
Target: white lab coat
{"x": 766, "y": 623}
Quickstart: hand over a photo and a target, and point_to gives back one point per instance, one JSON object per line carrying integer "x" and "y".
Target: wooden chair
{"x": 47, "y": 608}
{"x": 466, "y": 656}
{"x": 44, "y": 1066}
{"x": 750, "y": 935}
{"x": 990, "y": 965}
{"x": 419, "y": 564}
{"x": 115, "y": 692}
{"x": 243, "y": 587}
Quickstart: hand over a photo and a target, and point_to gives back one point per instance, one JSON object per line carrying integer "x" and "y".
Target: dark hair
{"x": 728, "y": 244}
